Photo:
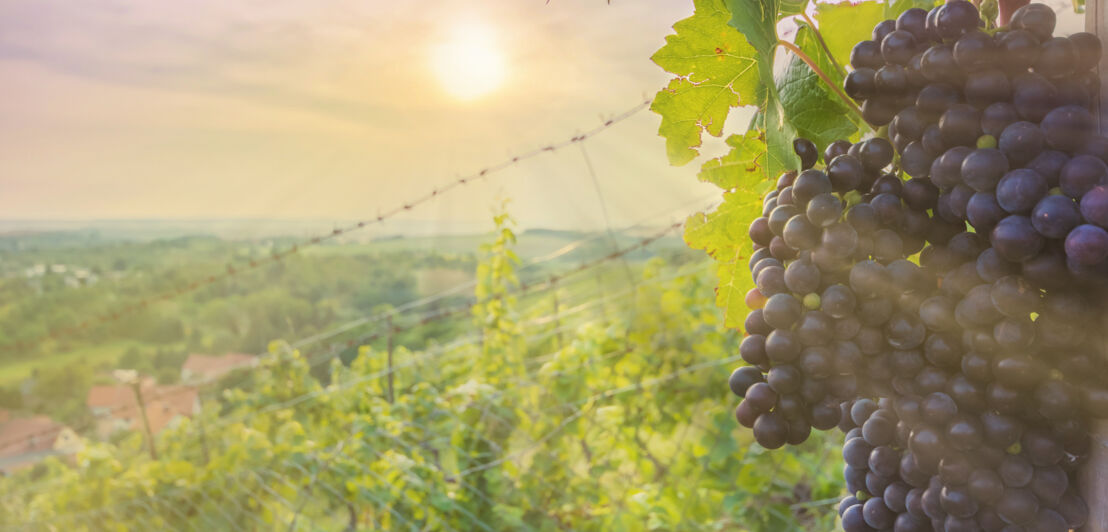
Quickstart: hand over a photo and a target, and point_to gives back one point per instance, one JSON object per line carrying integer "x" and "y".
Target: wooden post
{"x": 1094, "y": 474}
{"x": 389, "y": 346}
{"x": 137, "y": 387}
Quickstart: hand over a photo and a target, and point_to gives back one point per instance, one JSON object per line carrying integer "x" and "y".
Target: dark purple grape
{"x": 866, "y": 54}
{"x": 1056, "y": 58}
{"x": 956, "y": 18}
{"x": 1087, "y": 50}
{"x": 875, "y": 153}
{"x": 915, "y": 160}
{"x": 1094, "y": 205}
{"x": 878, "y": 111}
{"x": 1087, "y": 245}
{"x": 771, "y": 430}
{"x": 946, "y": 172}
{"x": 1018, "y": 50}
{"x": 1067, "y": 128}
{"x": 1080, "y": 174}
{"x": 1020, "y": 190}
{"x": 998, "y": 116}
{"x": 982, "y": 169}
{"x": 983, "y": 211}
{"x": 1033, "y": 96}
{"x": 882, "y": 29}
{"x": 920, "y": 194}
{"x": 835, "y": 149}
{"x": 932, "y": 140}
{"x": 891, "y": 81}
{"x": 1021, "y": 142}
{"x": 934, "y": 99}
{"x": 975, "y": 51}
{"x": 807, "y": 152}
{"x": 845, "y": 172}
{"x": 960, "y": 125}
{"x": 899, "y": 46}
{"x": 743, "y": 378}
{"x": 1015, "y": 239}
{"x": 1055, "y": 216}
{"x": 986, "y": 87}
{"x": 1038, "y": 19}
{"x": 914, "y": 21}
{"x": 938, "y": 65}
{"x": 1048, "y": 164}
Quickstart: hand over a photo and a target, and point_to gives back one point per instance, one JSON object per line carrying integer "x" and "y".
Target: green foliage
{"x": 797, "y": 101}
{"x": 619, "y": 426}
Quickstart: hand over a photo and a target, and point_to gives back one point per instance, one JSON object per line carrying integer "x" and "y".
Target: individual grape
{"x": 1087, "y": 50}
{"x": 1016, "y": 240}
{"x": 853, "y": 520}
{"x": 1080, "y": 174}
{"x": 782, "y": 346}
{"x": 845, "y": 172}
{"x": 983, "y": 211}
{"x": 1019, "y": 49}
{"x": 771, "y": 430}
{"x": 878, "y": 112}
{"x": 920, "y": 194}
{"x": 1038, "y": 19}
{"x": 1056, "y": 58}
{"x": 809, "y": 184}
{"x": 938, "y": 65}
{"x": 932, "y": 141}
{"x": 986, "y": 87}
{"x": 799, "y": 233}
{"x": 1087, "y": 244}
{"x": 1048, "y": 164}
{"x": 1033, "y": 96}
{"x": 882, "y": 29}
{"x": 782, "y": 311}
{"x": 982, "y": 169}
{"x": 899, "y": 46}
{"x": 1020, "y": 190}
{"x": 914, "y": 21}
{"x": 835, "y": 149}
{"x": 956, "y": 18}
{"x": 975, "y": 51}
{"x": 866, "y": 54}
{"x": 743, "y": 378}
{"x": 1055, "y": 216}
{"x": 888, "y": 183}
{"x": 753, "y": 349}
{"x": 891, "y": 81}
{"x": 1022, "y": 141}
{"x": 998, "y": 116}
{"x": 915, "y": 160}
{"x": 802, "y": 277}
{"x": 877, "y": 515}
{"x": 934, "y": 99}
{"x": 1094, "y": 205}
{"x": 946, "y": 170}
{"x": 1067, "y": 128}
{"x": 807, "y": 152}
{"x": 960, "y": 125}
{"x": 875, "y": 153}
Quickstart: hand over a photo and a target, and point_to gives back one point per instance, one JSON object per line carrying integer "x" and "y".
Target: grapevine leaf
{"x": 718, "y": 71}
{"x": 757, "y": 19}
{"x": 839, "y": 23}
{"x": 722, "y": 234}
{"x": 741, "y": 168}
{"x": 815, "y": 111}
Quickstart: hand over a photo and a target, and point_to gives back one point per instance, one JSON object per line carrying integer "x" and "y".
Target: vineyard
{"x": 903, "y": 271}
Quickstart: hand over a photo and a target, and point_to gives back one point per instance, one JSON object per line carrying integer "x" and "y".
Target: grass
{"x": 95, "y": 355}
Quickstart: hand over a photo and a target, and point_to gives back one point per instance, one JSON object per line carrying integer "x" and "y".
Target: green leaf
{"x": 757, "y": 20}
{"x": 742, "y": 167}
{"x": 813, "y": 108}
{"x": 718, "y": 71}
{"x": 722, "y": 233}
{"x": 843, "y": 25}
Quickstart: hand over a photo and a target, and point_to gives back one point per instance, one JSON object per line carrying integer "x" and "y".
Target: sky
{"x": 336, "y": 111}
{"x": 138, "y": 109}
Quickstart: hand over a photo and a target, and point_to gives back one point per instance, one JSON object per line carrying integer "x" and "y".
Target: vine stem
{"x": 822, "y": 75}
{"x": 823, "y": 43}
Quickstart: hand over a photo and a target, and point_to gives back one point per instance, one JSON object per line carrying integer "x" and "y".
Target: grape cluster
{"x": 958, "y": 359}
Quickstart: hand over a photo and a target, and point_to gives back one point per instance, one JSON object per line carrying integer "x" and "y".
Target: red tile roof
{"x": 27, "y": 435}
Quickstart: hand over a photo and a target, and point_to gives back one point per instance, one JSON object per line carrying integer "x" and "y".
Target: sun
{"x": 467, "y": 62}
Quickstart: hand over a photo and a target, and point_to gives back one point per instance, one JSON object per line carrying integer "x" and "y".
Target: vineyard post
{"x": 389, "y": 347}
{"x": 1094, "y": 475}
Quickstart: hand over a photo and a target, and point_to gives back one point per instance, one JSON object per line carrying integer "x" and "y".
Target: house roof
{"x": 26, "y": 435}
{"x": 214, "y": 365}
{"x": 163, "y": 404}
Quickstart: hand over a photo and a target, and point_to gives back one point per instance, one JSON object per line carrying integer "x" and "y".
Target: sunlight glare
{"x": 467, "y": 63}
